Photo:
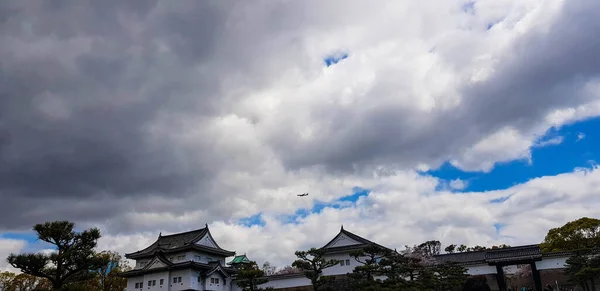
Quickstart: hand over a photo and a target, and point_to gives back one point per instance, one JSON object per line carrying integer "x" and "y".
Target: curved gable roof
{"x": 177, "y": 241}
{"x": 217, "y": 268}
{"x": 362, "y": 242}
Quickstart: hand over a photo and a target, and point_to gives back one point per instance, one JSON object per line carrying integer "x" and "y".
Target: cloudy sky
{"x": 467, "y": 122}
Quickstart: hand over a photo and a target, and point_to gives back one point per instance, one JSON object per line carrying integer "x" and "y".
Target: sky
{"x": 466, "y": 122}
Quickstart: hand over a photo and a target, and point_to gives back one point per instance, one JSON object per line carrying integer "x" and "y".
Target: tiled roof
{"x": 239, "y": 260}
{"x": 529, "y": 252}
{"x": 363, "y": 242}
{"x": 463, "y": 258}
{"x": 285, "y": 276}
{"x": 511, "y": 254}
{"x": 177, "y": 242}
{"x": 184, "y": 265}
{"x": 217, "y": 267}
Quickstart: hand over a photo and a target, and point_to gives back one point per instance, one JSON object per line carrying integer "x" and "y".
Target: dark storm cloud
{"x": 81, "y": 84}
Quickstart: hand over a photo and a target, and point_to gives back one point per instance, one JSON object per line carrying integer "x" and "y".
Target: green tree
{"x": 394, "y": 266}
{"x": 462, "y": 248}
{"x": 450, "y": 249}
{"x": 449, "y": 277}
{"x": 502, "y": 246}
{"x": 312, "y": 263}
{"x": 368, "y": 258}
{"x": 429, "y": 248}
{"x": 6, "y": 279}
{"x": 23, "y": 282}
{"x": 71, "y": 262}
{"x": 106, "y": 277}
{"x": 580, "y": 237}
{"x": 583, "y": 268}
{"x": 583, "y": 233}
{"x": 250, "y": 276}
{"x": 476, "y": 248}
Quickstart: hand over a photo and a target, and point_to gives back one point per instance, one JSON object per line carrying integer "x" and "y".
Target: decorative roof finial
{"x": 160, "y": 234}
{"x": 342, "y": 226}
{"x": 206, "y": 225}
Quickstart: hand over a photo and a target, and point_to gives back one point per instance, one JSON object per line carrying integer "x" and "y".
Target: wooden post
{"x": 500, "y": 278}
{"x": 537, "y": 280}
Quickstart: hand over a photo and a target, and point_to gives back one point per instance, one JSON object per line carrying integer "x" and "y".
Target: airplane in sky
{"x": 302, "y": 195}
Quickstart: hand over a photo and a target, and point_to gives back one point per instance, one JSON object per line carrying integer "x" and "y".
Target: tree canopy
{"x": 73, "y": 259}
{"x": 584, "y": 269}
{"x": 22, "y": 282}
{"x": 580, "y": 234}
{"x": 312, "y": 263}
{"x": 412, "y": 269}
{"x": 250, "y": 276}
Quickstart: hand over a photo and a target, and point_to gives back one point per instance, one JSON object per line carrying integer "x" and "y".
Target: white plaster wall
{"x": 207, "y": 241}
{"x": 229, "y": 286}
{"x": 141, "y": 263}
{"x": 131, "y": 283}
{"x": 193, "y": 280}
{"x": 210, "y": 286}
{"x": 481, "y": 270}
{"x": 338, "y": 269}
{"x": 157, "y": 277}
{"x": 286, "y": 282}
{"x": 551, "y": 263}
{"x": 343, "y": 241}
{"x": 190, "y": 256}
{"x": 186, "y": 279}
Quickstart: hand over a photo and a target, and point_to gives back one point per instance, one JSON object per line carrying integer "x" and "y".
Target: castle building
{"x": 339, "y": 248}
{"x": 180, "y": 262}
{"x": 194, "y": 261}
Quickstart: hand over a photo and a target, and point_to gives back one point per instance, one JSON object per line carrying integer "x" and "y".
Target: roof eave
{"x": 189, "y": 264}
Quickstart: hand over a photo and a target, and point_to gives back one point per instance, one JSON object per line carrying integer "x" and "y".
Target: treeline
{"x": 416, "y": 269}
{"x": 74, "y": 265}
{"x": 383, "y": 269}
{"x": 379, "y": 269}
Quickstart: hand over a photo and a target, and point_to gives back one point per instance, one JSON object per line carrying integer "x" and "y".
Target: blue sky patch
{"x": 498, "y": 227}
{"x": 318, "y": 206}
{"x": 334, "y": 59}
{"x": 357, "y": 192}
{"x": 499, "y": 200}
{"x": 30, "y": 237}
{"x": 252, "y": 220}
{"x": 559, "y": 151}
{"x": 469, "y": 7}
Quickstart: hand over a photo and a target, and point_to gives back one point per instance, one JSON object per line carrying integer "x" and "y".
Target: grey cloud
{"x": 76, "y": 126}
{"x": 84, "y": 87}
{"x": 545, "y": 71}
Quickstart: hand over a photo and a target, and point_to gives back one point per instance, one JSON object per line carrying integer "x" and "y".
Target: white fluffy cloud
{"x": 406, "y": 209}
{"x": 8, "y": 246}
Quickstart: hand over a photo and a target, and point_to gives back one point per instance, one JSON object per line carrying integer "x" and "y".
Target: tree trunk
{"x": 593, "y": 284}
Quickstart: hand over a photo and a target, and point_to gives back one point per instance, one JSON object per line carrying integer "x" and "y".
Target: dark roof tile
{"x": 178, "y": 241}
{"x": 363, "y": 242}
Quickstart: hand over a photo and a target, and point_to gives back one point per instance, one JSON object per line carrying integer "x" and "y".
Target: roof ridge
{"x": 185, "y": 232}
{"x": 358, "y": 238}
